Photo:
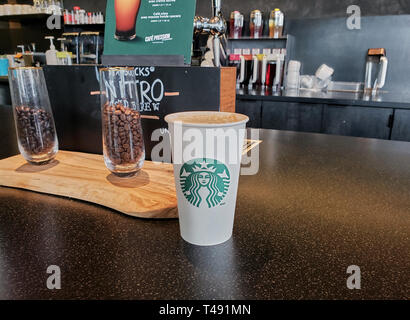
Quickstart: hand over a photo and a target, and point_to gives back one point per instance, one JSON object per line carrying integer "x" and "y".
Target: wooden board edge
{"x": 227, "y": 89}
{"x": 170, "y": 213}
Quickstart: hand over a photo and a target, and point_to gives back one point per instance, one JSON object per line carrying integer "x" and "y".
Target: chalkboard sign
{"x": 75, "y": 98}
{"x": 153, "y": 30}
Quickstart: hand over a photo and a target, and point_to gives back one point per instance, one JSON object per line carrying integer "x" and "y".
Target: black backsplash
{"x": 87, "y": 5}
{"x": 319, "y": 39}
{"x": 328, "y": 40}
{"x": 35, "y": 31}
{"x": 308, "y": 8}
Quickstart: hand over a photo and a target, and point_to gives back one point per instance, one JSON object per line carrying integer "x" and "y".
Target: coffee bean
{"x": 125, "y": 146}
{"x": 35, "y": 132}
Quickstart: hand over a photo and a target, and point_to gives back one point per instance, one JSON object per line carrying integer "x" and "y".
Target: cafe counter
{"x": 318, "y": 205}
{"x": 384, "y": 116}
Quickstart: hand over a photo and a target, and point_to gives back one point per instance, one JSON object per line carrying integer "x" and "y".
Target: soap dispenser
{"x": 51, "y": 54}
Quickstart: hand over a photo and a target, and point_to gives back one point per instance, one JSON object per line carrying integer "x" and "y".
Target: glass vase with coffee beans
{"x": 36, "y": 132}
{"x": 123, "y": 142}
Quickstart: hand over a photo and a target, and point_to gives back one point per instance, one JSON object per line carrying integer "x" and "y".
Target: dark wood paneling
{"x": 252, "y": 109}
{"x": 401, "y": 126}
{"x": 292, "y": 116}
{"x": 357, "y": 121}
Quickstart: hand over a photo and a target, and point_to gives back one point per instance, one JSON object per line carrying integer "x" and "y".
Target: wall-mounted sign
{"x": 149, "y": 28}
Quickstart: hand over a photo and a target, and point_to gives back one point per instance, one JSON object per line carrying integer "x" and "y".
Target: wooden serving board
{"x": 150, "y": 194}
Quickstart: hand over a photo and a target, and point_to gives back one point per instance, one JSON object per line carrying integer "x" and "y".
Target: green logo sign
{"x": 204, "y": 179}
{"x": 149, "y": 27}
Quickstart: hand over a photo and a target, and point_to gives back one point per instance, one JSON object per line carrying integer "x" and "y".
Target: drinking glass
{"x": 36, "y": 132}
{"x": 126, "y": 12}
{"x": 123, "y": 142}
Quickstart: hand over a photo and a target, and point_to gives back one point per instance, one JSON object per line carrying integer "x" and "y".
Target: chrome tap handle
{"x": 215, "y": 26}
{"x": 217, "y": 29}
{"x": 217, "y": 51}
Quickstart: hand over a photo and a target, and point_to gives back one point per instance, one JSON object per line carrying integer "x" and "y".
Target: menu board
{"x": 149, "y": 27}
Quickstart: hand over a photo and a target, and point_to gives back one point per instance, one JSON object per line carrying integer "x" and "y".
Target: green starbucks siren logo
{"x": 204, "y": 179}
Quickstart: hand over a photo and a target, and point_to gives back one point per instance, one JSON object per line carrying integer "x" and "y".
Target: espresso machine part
{"x": 376, "y": 70}
{"x": 215, "y": 26}
{"x": 236, "y": 25}
{"x": 256, "y": 24}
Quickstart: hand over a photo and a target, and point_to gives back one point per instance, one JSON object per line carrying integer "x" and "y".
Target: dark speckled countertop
{"x": 319, "y": 204}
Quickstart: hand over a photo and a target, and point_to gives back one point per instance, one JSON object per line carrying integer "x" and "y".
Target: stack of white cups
{"x": 293, "y": 76}
{"x": 8, "y": 9}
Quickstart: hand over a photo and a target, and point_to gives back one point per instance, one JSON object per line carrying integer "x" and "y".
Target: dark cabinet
{"x": 251, "y": 108}
{"x": 8, "y": 145}
{"x": 292, "y": 116}
{"x": 401, "y": 125}
{"x": 357, "y": 121}
{"x": 5, "y": 98}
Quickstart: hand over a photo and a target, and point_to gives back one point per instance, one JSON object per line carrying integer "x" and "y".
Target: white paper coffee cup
{"x": 206, "y": 150}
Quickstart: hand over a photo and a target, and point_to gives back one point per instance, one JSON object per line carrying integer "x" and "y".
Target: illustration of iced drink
{"x": 126, "y": 12}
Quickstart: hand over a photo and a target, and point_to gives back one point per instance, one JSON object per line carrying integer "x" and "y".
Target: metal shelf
{"x": 84, "y": 24}
{"x": 258, "y": 39}
{"x": 84, "y": 27}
